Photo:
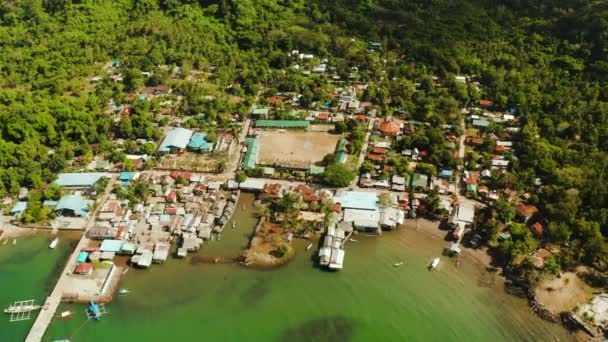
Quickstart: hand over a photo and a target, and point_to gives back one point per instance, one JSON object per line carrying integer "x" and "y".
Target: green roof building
{"x": 418, "y": 180}
{"x": 293, "y": 124}
{"x": 341, "y": 155}
{"x": 251, "y": 156}
{"x": 316, "y": 170}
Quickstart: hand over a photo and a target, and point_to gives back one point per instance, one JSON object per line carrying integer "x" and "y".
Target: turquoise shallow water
{"x": 28, "y": 270}
{"x": 370, "y": 300}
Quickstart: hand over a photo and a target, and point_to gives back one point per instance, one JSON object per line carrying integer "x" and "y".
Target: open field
{"x": 192, "y": 162}
{"x": 289, "y": 147}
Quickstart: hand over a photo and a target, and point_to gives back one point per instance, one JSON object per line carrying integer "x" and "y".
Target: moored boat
{"x": 14, "y": 242}
{"x": 22, "y": 308}
{"x": 66, "y": 314}
{"x": 397, "y": 264}
{"x": 233, "y": 224}
{"x": 434, "y": 263}
{"x": 54, "y": 243}
{"x": 123, "y": 291}
{"x": 309, "y": 246}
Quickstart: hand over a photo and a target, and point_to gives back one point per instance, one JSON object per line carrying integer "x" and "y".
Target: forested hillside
{"x": 548, "y": 59}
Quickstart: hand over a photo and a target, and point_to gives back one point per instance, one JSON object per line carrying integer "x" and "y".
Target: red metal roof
{"x": 486, "y": 103}
{"x": 380, "y": 150}
{"x": 84, "y": 268}
{"x": 375, "y": 157}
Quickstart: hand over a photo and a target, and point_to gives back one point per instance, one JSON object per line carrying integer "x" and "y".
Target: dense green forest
{"x": 548, "y": 59}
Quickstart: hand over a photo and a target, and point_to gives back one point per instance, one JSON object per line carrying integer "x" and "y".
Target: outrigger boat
{"x": 22, "y": 308}
{"x": 434, "y": 264}
{"x": 66, "y": 314}
{"x": 397, "y": 264}
{"x": 54, "y": 243}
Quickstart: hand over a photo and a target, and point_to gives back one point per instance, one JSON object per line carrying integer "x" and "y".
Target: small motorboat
{"x": 94, "y": 311}
{"x": 123, "y": 291}
{"x": 233, "y": 224}
{"x": 14, "y": 242}
{"x": 309, "y": 246}
{"x": 219, "y": 238}
{"x": 397, "y": 264}
{"x": 352, "y": 240}
{"x": 434, "y": 264}
{"x": 54, "y": 243}
{"x": 66, "y": 314}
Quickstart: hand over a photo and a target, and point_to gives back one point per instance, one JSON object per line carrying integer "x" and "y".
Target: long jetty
{"x": 52, "y": 302}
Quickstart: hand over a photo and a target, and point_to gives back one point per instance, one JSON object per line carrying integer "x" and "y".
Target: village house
{"x": 390, "y": 126}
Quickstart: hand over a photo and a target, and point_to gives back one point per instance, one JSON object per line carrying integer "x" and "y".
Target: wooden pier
{"x": 52, "y": 302}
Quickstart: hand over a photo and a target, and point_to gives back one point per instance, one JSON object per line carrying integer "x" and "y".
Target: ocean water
{"x": 28, "y": 270}
{"x": 370, "y": 300}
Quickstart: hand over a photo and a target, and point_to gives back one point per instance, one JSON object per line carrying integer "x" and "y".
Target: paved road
{"x": 363, "y": 153}
{"x": 52, "y": 302}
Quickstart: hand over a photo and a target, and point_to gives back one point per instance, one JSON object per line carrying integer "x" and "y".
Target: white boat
{"x": 14, "y": 242}
{"x": 309, "y": 246}
{"x": 123, "y": 291}
{"x": 54, "y": 243}
{"x": 22, "y": 308}
{"x": 66, "y": 314}
{"x": 397, "y": 264}
{"x": 434, "y": 263}
{"x": 352, "y": 240}
{"x": 233, "y": 224}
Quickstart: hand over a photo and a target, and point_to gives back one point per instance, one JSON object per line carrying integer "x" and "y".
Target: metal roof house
{"x": 73, "y": 205}
{"x": 358, "y": 200}
{"x": 293, "y": 124}
{"x": 198, "y": 142}
{"x": 260, "y": 112}
{"x": 126, "y": 177}
{"x": 480, "y": 123}
{"x": 362, "y": 219}
{"x": 251, "y": 156}
{"x": 176, "y": 139}
{"x": 18, "y": 208}
{"x": 80, "y": 180}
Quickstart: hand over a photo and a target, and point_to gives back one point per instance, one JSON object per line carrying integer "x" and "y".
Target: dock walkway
{"x": 52, "y": 302}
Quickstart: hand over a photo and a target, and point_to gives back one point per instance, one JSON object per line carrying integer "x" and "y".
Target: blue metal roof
{"x": 82, "y": 257}
{"x": 176, "y": 139}
{"x": 79, "y": 180}
{"x": 445, "y": 173}
{"x": 359, "y": 200}
{"x": 199, "y": 142}
{"x": 19, "y": 208}
{"x": 126, "y": 176}
{"x": 76, "y": 203}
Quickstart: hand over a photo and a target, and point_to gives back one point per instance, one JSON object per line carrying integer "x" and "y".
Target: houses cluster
{"x": 490, "y": 148}
{"x": 183, "y": 208}
{"x": 78, "y": 197}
